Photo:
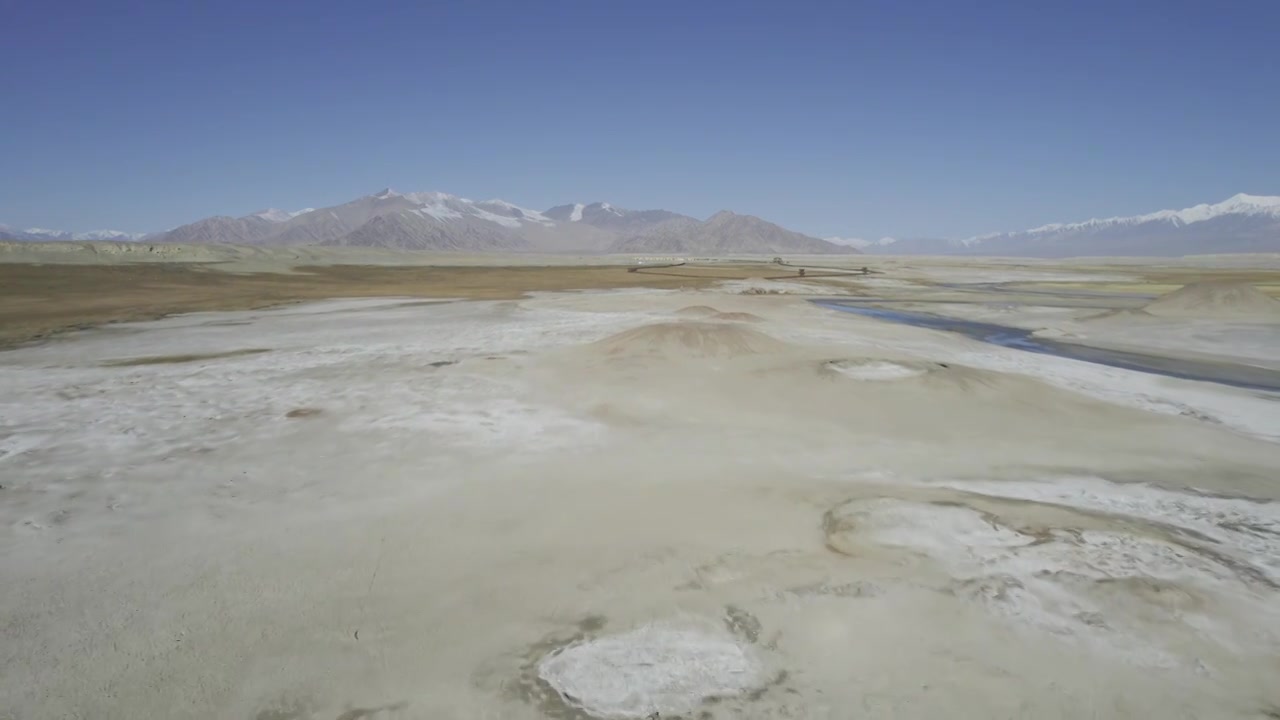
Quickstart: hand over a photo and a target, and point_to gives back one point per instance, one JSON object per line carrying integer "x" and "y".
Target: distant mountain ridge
{"x": 443, "y": 222}
{"x": 607, "y": 217}
{"x": 725, "y": 233}
{"x": 438, "y": 221}
{"x": 44, "y": 234}
{"x": 1240, "y": 224}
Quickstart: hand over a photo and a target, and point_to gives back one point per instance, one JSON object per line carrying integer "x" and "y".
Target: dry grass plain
{"x": 37, "y": 301}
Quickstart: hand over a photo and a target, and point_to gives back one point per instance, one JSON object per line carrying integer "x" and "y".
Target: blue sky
{"x": 923, "y": 118}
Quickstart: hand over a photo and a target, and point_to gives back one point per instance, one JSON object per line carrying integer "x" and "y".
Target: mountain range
{"x": 44, "y": 234}
{"x": 1240, "y": 224}
{"x": 443, "y": 222}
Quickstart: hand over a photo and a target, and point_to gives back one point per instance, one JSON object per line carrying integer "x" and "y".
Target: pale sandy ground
{"x": 610, "y": 504}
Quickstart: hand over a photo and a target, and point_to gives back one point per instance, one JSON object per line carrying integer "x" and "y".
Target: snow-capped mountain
{"x": 440, "y": 221}
{"x": 427, "y": 220}
{"x": 109, "y": 235}
{"x": 46, "y": 235}
{"x": 1240, "y": 224}
{"x": 861, "y": 243}
{"x": 607, "y": 217}
{"x": 277, "y": 215}
{"x": 1241, "y": 204}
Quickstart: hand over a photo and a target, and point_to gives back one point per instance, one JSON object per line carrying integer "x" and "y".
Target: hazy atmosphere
{"x": 639, "y": 361}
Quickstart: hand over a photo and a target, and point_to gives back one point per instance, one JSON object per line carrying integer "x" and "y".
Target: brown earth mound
{"x": 1218, "y": 300}
{"x": 700, "y": 311}
{"x": 690, "y": 339}
{"x": 737, "y": 316}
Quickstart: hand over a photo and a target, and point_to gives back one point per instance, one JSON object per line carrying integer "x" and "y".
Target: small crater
{"x": 669, "y": 671}
{"x": 871, "y": 370}
{"x": 520, "y": 681}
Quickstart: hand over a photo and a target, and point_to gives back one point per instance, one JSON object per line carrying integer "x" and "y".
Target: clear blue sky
{"x": 921, "y": 118}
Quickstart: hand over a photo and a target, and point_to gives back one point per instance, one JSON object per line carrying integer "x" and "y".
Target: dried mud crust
{"x": 1115, "y": 571}
{"x": 683, "y": 668}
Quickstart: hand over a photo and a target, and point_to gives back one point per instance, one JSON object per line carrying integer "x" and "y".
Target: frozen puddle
{"x": 656, "y": 670}
{"x": 1142, "y": 572}
{"x": 874, "y": 370}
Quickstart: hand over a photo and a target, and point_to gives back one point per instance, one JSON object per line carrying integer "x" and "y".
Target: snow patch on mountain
{"x": 108, "y": 235}
{"x": 278, "y": 215}
{"x": 502, "y": 207}
{"x": 499, "y": 219}
{"x": 1240, "y": 204}
{"x": 445, "y": 207}
{"x": 37, "y": 234}
{"x": 861, "y": 243}
{"x": 439, "y": 212}
{"x": 44, "y": 232}
{"x": 1242, "y": 223}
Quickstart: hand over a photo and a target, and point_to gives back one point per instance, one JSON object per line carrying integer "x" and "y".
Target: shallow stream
{"x": 1241, "y": 376}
